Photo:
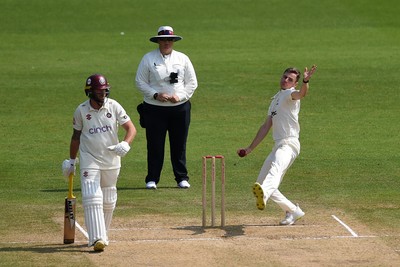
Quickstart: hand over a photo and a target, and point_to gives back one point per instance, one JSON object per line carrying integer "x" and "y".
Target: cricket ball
{"x": 242, "y": 153}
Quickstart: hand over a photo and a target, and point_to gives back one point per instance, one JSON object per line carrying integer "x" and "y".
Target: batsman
{"x": 95, "y": 135}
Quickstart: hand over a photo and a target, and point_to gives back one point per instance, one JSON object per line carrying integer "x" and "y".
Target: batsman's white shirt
{"x": 153, "y": 77}
{"x": 285, "y": 115}
{"x": 99, "y": 130}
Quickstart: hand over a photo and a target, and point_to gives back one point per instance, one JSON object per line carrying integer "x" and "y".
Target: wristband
{"x": 305, "y": 81}
{"x": 155, "y": 95}
{"x": 72, "y": 162}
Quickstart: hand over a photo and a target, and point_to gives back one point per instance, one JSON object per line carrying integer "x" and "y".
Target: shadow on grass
{"x": 50, "y": 249}
{"x": 46, "y": 248}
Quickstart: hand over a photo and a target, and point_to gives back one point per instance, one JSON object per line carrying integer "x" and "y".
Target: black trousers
{"x": 160, "y": 120}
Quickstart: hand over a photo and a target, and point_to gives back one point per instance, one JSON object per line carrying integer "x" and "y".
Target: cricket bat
{"x": 69, "y": 213}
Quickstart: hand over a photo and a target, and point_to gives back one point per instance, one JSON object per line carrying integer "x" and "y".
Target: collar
{"x": 291, "y": 88}
{"x": 106, "y": 105}
{"x": 165, "y": 56}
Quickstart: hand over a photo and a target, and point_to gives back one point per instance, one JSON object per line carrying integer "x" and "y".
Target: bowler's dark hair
{"x": 293, "y": 70}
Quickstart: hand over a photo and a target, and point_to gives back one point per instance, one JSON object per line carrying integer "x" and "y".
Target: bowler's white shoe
{"x": 184, "y": 184}
{"x": 259, "y": 194}
{"x": 292, "y": 217}
{"x": 151, "y": 185}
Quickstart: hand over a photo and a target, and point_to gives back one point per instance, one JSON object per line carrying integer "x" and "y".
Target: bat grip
{"x": 71, "y": 186}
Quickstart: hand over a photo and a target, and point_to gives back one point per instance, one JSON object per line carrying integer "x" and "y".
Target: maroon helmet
{"x": 96, "y": 81}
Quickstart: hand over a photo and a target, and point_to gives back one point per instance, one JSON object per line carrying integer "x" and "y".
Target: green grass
{"x": 349, "y": 136}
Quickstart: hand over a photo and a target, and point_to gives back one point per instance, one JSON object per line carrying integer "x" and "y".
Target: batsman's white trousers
{"x": 274, "y": 168}
{"x": 99, "y": 197}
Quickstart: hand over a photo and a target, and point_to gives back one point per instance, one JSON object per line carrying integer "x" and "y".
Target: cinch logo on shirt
{"x": 97, "y": 130}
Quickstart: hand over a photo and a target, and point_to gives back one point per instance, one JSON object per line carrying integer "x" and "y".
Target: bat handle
{"x": 71, "y": 186}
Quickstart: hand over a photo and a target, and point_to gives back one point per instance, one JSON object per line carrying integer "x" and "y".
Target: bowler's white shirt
{"x": 99, "y": 130}
{"x": 285, "y": 115}
{"x": 153, "y": 77}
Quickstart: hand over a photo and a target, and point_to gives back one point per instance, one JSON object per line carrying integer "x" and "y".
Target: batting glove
{"x": 68, "y": 167}
{"x": 120, "y": 149}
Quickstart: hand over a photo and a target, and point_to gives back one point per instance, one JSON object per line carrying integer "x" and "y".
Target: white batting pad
{"x": 109, "y": 203}
{"x": 92, "y": 202}
{"x": 94, "y": 220}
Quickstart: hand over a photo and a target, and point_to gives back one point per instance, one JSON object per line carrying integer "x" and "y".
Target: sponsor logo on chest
{"x": 99, "y": 129}
{"x": 102, "y": 129}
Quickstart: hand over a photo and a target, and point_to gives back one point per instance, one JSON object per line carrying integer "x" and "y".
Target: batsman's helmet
{"x": 96, "y": 81}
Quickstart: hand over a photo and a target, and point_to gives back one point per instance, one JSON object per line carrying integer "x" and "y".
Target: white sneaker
{"x": 259, "y": 194}
{"x": 184, "y": 184}
{"x": 292, "y": 217}
{"x": 151, "y": 185}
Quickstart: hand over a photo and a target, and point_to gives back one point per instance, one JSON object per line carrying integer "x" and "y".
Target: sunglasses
{"x": 166, "y": 39}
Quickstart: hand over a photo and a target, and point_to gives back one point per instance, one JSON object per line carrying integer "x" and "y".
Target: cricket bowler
{"x": 283, "y": 118}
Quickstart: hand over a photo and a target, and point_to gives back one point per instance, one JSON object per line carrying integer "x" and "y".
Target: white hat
{"x": 165, "y": 32}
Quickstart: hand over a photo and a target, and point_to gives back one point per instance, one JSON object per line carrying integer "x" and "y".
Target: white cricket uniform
{"x": 99, "y": 167}
{"x": 99, "y": 130}
{"x": 286, "y": 129}
{"x": 153, "y": 77}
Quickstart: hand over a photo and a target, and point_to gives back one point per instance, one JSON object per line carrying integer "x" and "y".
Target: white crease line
{"x": 209, "y": 239}
{"x": 329, "y": 237}
{"x": 196, "y": 239}
{"x": 235, "y": 238}
{"x": 345, "y": 226}
{"x": 81, "y": 230}
{"x": 226, "y": 228}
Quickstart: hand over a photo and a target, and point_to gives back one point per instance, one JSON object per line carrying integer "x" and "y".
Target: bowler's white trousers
{"x": 274, "y": 168}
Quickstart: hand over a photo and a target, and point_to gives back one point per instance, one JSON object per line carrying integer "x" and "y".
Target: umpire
{"x": 167, "y": 80}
